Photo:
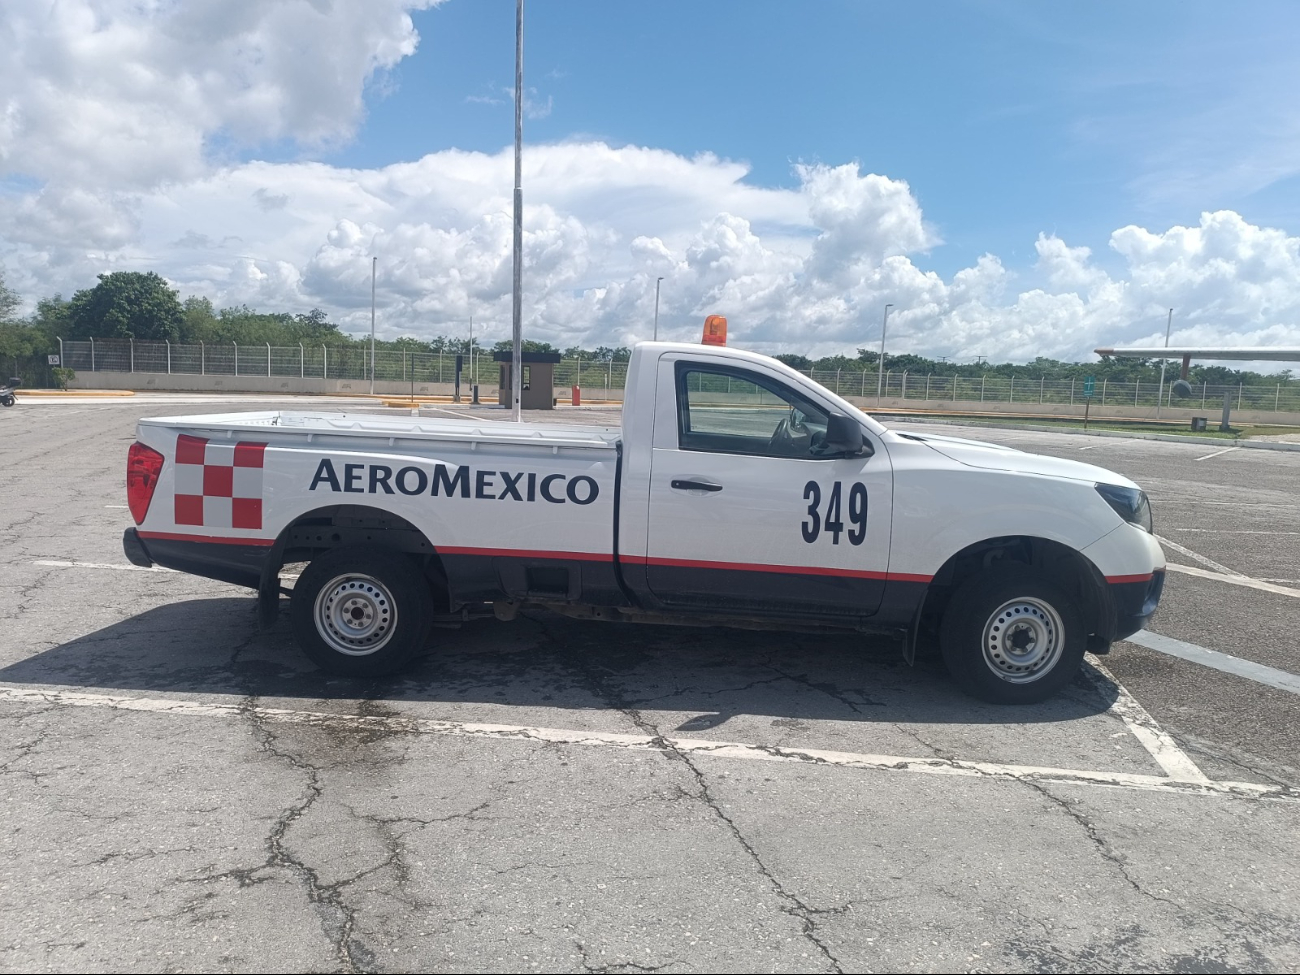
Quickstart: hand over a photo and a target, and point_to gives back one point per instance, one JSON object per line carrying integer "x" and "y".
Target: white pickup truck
{"x": 736, "y": 492}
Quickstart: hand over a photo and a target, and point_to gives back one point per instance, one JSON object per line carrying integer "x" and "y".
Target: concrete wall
{"x": 176, "y": 383}
{"x": 1213, "y": 412}
{"x": 186, "y": 383}
{"x": 144, "y": 381}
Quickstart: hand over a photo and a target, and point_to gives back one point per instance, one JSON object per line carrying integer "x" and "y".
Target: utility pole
{"x": 374, "y": 267}
{"x": 517, "y": 358}
{"x": 471, "y": 350}
{"x": 657, "y": 280}
{"x": 1164, "y": 362}
{"x": 880, "y": 376}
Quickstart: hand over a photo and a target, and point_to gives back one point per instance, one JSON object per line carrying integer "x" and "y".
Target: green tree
{"x": 126, "y": 304}
{"x": 529, "y": 345}
{"x": 198, "y": 318}
{"x": 795, "y": 361}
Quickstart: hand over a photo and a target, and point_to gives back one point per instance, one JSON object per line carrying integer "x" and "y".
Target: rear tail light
{"x": 143, "y": 464}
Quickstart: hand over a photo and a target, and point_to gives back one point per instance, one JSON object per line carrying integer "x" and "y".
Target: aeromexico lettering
{"x": 453, "y": 481}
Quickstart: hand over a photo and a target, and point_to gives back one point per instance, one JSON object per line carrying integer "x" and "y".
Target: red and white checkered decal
{"x": 218, "y": 485}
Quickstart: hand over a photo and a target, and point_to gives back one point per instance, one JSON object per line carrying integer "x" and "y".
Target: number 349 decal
{"x": 814, "y": 525}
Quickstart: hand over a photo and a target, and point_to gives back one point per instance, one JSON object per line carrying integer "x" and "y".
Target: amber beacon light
{"x": 715, "y": 330}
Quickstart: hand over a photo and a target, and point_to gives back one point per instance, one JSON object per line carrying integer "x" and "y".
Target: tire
{"x": 360, "y": 611}
{"x": 1012, "y": 636}
{"x": 6, "y": 400}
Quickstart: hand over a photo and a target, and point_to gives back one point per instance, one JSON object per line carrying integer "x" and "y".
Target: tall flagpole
{"x": 516, "y": 362}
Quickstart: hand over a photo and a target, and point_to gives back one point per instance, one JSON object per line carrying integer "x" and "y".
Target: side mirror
{"x": 844, "y": 436}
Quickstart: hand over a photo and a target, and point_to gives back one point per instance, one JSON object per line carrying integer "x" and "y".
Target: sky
{"x": 1016, "y": 179}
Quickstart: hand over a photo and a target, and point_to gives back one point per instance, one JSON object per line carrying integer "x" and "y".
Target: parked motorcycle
{"x": 7, "y": 391}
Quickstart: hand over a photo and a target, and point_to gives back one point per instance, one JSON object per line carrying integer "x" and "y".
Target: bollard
{"x": 474, "y": 390}
{"x": 577, "y": 395}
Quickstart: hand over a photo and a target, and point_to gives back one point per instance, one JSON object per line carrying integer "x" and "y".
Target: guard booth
{"x": 538, "y": 387}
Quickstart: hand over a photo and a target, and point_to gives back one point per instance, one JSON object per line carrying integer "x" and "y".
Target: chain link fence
{"x": 353, "y": 363}
{"x": 1041, "y": 391}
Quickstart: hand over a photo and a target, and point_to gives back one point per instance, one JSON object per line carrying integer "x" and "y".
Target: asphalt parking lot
{"x": 185, "y": 793}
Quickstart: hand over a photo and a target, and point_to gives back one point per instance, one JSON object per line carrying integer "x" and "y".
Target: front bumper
{"x": 1135, "y": 602}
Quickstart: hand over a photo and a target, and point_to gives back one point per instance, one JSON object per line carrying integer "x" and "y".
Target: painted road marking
{"x": 1199, "y": 558}
{"x": 1235, "y": 504}
{"x": 98, "y": 565}
{"x": 736, "y": 751}
{"x": 1225, "y": 450}
{"x": 1224, "y": 662}
{"x": 1176, "y": 763}
{"x": 1234, "y": 580}
{"x": 1232, "y": 531}
{"x": 1112, "y": 443}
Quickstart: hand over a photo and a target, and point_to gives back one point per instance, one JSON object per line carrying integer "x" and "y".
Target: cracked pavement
{"x": 239, "y": 838}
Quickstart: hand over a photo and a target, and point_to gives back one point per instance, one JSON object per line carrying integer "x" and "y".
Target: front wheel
{"x": 361, "y": 611}
{"x": 1011, "y": 636}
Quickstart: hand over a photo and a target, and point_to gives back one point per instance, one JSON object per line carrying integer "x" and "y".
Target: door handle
{"x": 694, "y": 485}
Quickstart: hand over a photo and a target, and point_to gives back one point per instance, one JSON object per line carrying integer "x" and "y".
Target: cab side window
{"x": 734, "y": 411}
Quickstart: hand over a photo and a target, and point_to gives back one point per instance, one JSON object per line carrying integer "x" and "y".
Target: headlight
{"x": 1129, "y": 503}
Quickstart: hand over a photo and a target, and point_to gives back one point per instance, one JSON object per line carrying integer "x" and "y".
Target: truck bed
{"x": 282, "y": 426}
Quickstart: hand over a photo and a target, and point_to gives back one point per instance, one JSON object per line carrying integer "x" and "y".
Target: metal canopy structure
{"x": 1267, "y": 353}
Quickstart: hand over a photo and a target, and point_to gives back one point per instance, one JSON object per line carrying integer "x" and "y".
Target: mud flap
{"x": 268, "y": 588}
{"x": 268, "y": 607}
{"x": 913, "y": 636}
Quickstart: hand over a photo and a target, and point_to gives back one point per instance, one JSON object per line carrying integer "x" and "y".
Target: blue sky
{"x": 1016, "y": 179}
{"x": 1006, "y": 119}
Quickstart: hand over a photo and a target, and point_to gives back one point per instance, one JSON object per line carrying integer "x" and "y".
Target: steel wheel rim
{"x": 355, "y": 614}
{"x": 1023, "y": 640}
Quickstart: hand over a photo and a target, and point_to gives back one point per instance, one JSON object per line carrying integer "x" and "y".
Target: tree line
{"x": 141, "y": 305}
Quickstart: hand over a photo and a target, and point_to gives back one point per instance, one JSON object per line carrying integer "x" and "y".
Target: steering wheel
{"x": 781, "y": 439}
{"x": 785, "y": 440}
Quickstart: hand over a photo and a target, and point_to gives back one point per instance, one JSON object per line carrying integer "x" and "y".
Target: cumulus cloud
{"x": 805, "y": 268}
{"x": 124, "y": 93}
{"x": 123, "y": 124}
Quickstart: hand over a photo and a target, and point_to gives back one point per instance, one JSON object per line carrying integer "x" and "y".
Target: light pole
{"x": 374, "y": 267}
{"x": 880, "y": 378}
{"x": 657, "y": 280}
{"x": 1164, "y": 362}
{"x": 517, "y": 357}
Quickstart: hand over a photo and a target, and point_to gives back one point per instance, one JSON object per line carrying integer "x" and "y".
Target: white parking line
{"x": 1232, "y": 531}
{"x": 54, "y": 563}
{"x": 1235, "y": 504}
{"x": 1224, "y": 662}
{"x": 1137, "y": 719}
{"x": 1225, "y": 450}
{"x": 1112, "y": 443}
{"x": 1198, "y": 557}
{"x": 696, "y": 747}
{"x": 1234, "y": 579}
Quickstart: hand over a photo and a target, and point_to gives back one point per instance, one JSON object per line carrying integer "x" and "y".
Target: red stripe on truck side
{"x": 212, "y": 539}
{"x": 524, "y": 553}
{"x": 1118, "y": 580}
{"x": 802, "y": 570}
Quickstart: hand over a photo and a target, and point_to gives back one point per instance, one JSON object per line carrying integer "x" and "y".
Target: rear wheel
{"x": 361, "y": 611}
{"x": 7, "y": 399}
{"x": 1011, "y": 636}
